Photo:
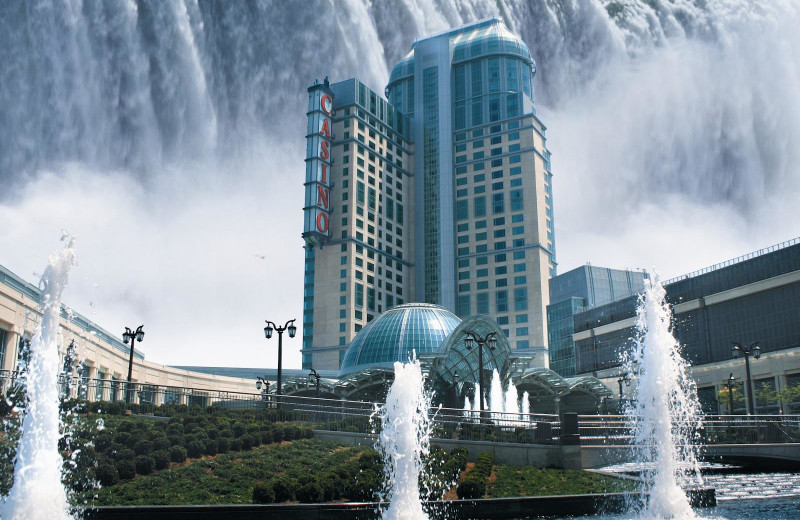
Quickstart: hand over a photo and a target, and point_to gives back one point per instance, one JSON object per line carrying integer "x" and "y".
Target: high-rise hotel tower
{"x": 440, "y": 195}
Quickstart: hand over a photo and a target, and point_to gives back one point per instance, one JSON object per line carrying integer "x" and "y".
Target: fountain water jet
{"x": 404, "y": 439}
{"x": 665, "y": 412}
{"x": 37, "y": 492}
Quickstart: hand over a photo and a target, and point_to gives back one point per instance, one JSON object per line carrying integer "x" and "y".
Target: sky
{"x": 671, "y": 161}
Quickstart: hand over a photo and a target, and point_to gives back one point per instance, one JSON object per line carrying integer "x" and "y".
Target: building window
{"x": 521, "y": 299}
{"x": 359, "y": 294}
{"x": 501, "y": 301}
{"x": 516, "y": 200}
{"x": 498, "y": 203}
{"x": 479, "y": 206}
{"x": 360, "y": 192}
{"x": 463, "y": 305}
{"x": 483, "y": 303}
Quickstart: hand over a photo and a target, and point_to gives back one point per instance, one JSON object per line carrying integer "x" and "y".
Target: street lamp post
{"x": 130, "y": 336}
{"x": 737, "y": 350}
{"x": 268, "y": 334}
{"x": 468, "y": 343}
{"x": 265, "y": 393}
{"x": 624, "y": 379}
{"x": 313, "y": 375}
{"x": 729, "y": 384}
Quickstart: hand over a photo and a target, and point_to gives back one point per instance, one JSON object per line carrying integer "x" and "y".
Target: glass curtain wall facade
{"x": 575, "y": 291}
{"x": 442, "y": 194}
{"x": 485, "y": 227}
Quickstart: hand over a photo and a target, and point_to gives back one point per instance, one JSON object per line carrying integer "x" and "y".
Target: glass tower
{"x": 484, "y": 212}
{"x": 440, "y": 193}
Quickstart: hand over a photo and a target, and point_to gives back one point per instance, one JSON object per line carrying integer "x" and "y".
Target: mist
{"x": 169, "y": 139}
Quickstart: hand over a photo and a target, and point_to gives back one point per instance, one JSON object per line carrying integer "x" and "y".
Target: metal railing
{"x": 615, "y": 430}
{"x": 103, "y": 395}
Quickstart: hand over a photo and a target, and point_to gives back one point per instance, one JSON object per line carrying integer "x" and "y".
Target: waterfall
{"x": 679, "y": 110}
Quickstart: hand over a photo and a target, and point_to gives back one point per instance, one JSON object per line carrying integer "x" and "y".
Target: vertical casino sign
{"x": 319, "y": 148}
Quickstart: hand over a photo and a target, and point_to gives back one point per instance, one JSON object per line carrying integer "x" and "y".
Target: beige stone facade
{"x": 102, "y": 355}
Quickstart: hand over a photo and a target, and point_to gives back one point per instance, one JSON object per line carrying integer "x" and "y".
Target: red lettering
{"x": 326, "y": 129}
{"x": 326, "y": 104}
{"x": 324, "y": 153}
{"x": 323, "y": 196}
{"x": 322, "y": 222}
{"x": 325, "y": 173}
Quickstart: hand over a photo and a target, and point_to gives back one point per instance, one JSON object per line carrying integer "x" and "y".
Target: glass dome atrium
{"x": 396, "y": 334}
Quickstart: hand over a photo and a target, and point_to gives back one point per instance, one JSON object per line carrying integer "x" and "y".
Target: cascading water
{"x": 179, "y": 103}
{"x": 404, "y": 439}
{"x": 665, "y": 411}
{"x": 496, "y": 397}
{"x": 37, "y": 492}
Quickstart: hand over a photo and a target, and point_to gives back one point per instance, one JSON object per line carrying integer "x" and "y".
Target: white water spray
{"x": 665, "y": 412}
{"x": 37, "y": 492}
{"x": 496, "y": 393}
{"x": 405, "y": 438}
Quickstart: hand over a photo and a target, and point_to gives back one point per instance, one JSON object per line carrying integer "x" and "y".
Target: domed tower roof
{"x": 396, "y": 334}
{"x": 487, "y": 38}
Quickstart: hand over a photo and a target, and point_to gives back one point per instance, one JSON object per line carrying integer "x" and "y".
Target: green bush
{"x": 236, "y": 444}
{"x": 125, "y": 426}
{"x": 211, "y": 447}
{"x": 126, "y": 469}
{"x": 277, "y": 435}
{"x": 107, "y": 473}
{"x": 284, "y": 487}
{"x": 248, "y": 441}
{"x": 223, "y": 445}
{"x": 195, "y": 449}
{"x": 122, "y": 437}
{"x": 126, "y": 454}
{"x": 103, "y": 441}
{"x": 370, "y": 460}
{"x": 310, "y": 493}
{"x": 239, "y": 430}
{"x": 144, "y": 464}
{"x": 332, "y": 487}
{"x": 160, "y": 443}
{"x": 143, "y": 448}
{"x": 263, "y": 493}
{"x": 161, "y": 459}
{"x": 364, "y": 485}
{"x": 177, "y": 454}
{"x": 471, "y": 488}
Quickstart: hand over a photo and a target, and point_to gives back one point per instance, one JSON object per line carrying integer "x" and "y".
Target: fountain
{"x": 37, "y": 492}
{"x": 665, "y": 412}
{"x": 404, "y": 439}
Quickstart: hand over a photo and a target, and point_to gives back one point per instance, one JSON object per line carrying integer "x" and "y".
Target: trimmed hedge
{"x": 474, "y": 484}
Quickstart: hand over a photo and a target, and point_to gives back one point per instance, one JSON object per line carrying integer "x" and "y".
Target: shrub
{"x": 125, "y": 426}
{"x": 122, "y": 437}
{"x": 236, "y": 445}
{"x": 144, "y": 464}
{"x": 210, "y": 447}
{"x": 284, "y": 487}
{"x": 331, "y": 487}
{"x": 277, "y": 435}
{"x": 239, "y": 430}
{"x": 160, "y": 443}
{"x": 483, "y": 465}
{"x": 143, "y": 447}
{"x": 370, "y": 459}
{"x": 177, "y": 454}
{"x": 212, "y": 433}
{"x": 107, "y": 473}
{"x": 471, "y": 488}
{"x": 223, "y": 445}
{"x": 310, "y": 493}
{"x": 364, "y": 485}
{"x": 161, "y": 459}
{"x": 103, "y": 441}
{"x": 248, "y": 441}
{"x": 290, "y": 432}
{"x": 126, "y": 469}
{"x": 263, "y": 493}
{"x": 195, "y": 449}
{"x": 126, "y": 454}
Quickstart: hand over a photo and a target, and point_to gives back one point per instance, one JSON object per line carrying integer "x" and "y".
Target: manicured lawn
{"x": 229, "y": 478}
{"x": 513, "y": 481}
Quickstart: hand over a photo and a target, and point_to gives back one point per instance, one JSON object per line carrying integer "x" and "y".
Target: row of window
{"x": 498, "y": 204}
{"x": 501, "y": 301}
